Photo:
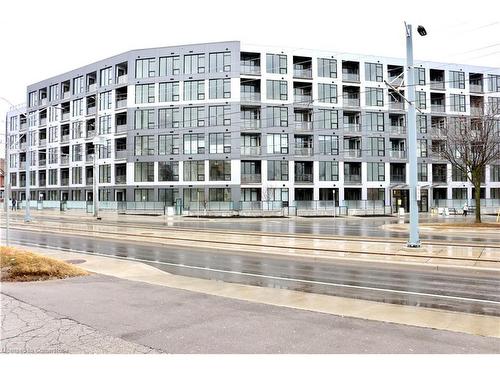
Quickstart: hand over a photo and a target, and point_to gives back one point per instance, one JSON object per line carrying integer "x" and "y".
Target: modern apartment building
{"x": 228, "y": 122}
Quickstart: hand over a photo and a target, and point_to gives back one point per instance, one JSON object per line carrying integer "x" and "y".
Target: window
{"x": 54, "y": 92}
{"x": 169, "y": 92}
{"x": 328, "y": 171}
{"x": 421, "y": 101}
{"x": 194, "y": 90}
{"x": 376, "y": 171}
{"x": 144, "y": 68}
{"x": 219, "y": 115}
{"x": 495, "y": 173}
{"x": 277, "y": 90}
{"x": 420, "y": 76}
{"x": 105, "y": 173}
{"x": 76, "y": 130}
{"x": 144, "y": 195}
{"x": 457, "y": 103}
{"x": 277, "y": 170}
{"x": 77, "y": 107}
{"x": 457, "y": 174}
{"x": 327, "y": 93}
{"x": 457, "y": 80}
{"x": 220, "y": 170}
{"x": 53, "y": 134}
{"x": 104, "y": 151}
{"x": 327, "y": 68}
{"x": 78, "y": 85}
{"x": 422, "y": 172}
{"x": 194, "y": 170}
{"x": 168, "y": 144}
{"x": 144, "y": 172}
{"x": 374, "y": 121}
{"x": 144, "y": 119}
{"x": 422, "y": 123}
{"x": 32, "y": 99}
{"x": 220, "y": 88}
{"x": 76, "y": 152}
{"x": 105, "y": 100}
{"x": 277, "y": 116}
{"x": 144, "y": 145}
{"x": 106, "y": 76}
{"x": 194, "y": 64}
{"x": 494, "y": 83}
{"x": 168, "y": 171}
{"x": 194, "y": 144}
{"x": 277, "y": 144}
{"x": 374, "y": 96}
{"x": 76, "y": 175}
{"x": 168, "y": 196}
{"x": 219, "y": 195}
{"x": 53, "y": 176}
{"x": 422, "y": 148}
{"x": 219, "y": 143}
{"x": 169, "y": 118}
{"x": 170, "y": 66}
{"x": 328, "y": 144}
{"x": 373, "y": 72}
{"x": 375, "y": 194}
{"x": 277, "y": 194}
{"x": 53, "y": 155}
{"x": 220, "y": 62}
{"x": 276, "y": 63}
{"x": 194, "y": 117}
{"x": 105, "y": 124}
{"x": 326, "y": 119}
{"x": 376, "y": 146}
{"x": 145, "y": 93}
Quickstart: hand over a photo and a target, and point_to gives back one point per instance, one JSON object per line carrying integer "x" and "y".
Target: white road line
{"x": 268, "y": 276}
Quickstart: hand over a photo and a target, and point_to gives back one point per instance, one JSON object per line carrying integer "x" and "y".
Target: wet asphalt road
{"x": 456, "y": 291}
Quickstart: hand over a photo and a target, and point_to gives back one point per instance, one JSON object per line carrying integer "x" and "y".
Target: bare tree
{"x": 471, "y": 143}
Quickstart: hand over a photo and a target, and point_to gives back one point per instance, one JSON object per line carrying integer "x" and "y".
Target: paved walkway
{"x": 30, "y": 329}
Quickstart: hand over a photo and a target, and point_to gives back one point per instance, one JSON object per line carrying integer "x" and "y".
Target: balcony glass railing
{"x": 65, "y": 138}
{"x": 439, "y": 177}
{"x": 351, "y": 77}
{"x": 303, "y": 151}
{"x": 399, "y": 106}
{"x": 302, "y": 99}
{"x": 395, "y": 80}
{"x": 92, "y": 87}
{"x": 250, "y": 69}
{"x": 121, "y": 179}
{"x": 250, "y": 150}
{"x": 352, "y": 153}
{"x": 122, "y": 79}
{"x": 305, "y": 126}
{"x": 439, "y": 108}
{"x": 397, "y": 177}
{"x": 122, "y": 128}
{"x": 437, "y": 85}
{"x": 42, "y": 142}
{"x": 121, "y": 154}
{"x": 65, "y": 116}
{"x": 352, "y": 178}
{"x": 250, "y": 124}
{"x": 476, "y": 88}
{"x": 351, "y": 102}
{"x": 302, "y": 73}
{"x": 90, "y": 134}
{"x": 352, "y": 127}
{"x": 250, "y": 178}
{"x": 250, "y": 97}
{"x": 89, "y": 157}
{"x": 398, "y": 129}
{"x": 305, "y": 177}
{"x": 397, "y": 154}
{"x": 122, "y": 103}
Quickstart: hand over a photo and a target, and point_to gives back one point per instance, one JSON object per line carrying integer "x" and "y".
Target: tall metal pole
{"x": 27, "y": 213}
{"x": 96, "y": 154}
{"x": 7, "y": 182}
{"x": 414, "y": 240}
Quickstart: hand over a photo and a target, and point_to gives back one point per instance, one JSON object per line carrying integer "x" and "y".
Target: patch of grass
{"x": 18, "y": 265}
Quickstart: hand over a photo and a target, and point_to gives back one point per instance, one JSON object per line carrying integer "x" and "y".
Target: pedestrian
{"x": 14, "y": 204}
{"x": 466, "y": 208}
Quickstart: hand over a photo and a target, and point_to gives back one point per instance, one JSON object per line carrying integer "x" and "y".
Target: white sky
{"x": 40, "y": 39}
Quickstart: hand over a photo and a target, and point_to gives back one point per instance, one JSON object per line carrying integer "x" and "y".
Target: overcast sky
{"x": 40, "y": 39}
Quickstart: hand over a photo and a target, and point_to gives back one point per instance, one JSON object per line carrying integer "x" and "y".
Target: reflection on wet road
{"x": 457, "y": 291}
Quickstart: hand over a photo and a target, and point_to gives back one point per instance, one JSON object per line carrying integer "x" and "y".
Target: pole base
{"x": 413, "y": 245}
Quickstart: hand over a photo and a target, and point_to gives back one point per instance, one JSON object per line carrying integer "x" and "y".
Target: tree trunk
{"x": 477, "y": 197}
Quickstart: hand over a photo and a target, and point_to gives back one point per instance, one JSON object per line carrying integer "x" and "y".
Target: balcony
{"x": 65, "y": 181}
{"x": 304, "y": 178}
{"x": 352, "y": 179}
{"x": 398, "y": 129}
{"x": 303, "y": 151}
{"x": 351, "y": 102}
{"x": 476, "y": 88}
{"x": 42, "y": 162}
{"x": 250, "y": 97}
{"x": 121, "y": 103}
{"x": 398, "y": 177}
{"x": 302, "y": 73}
{"x": 42, "y": 182}
{"x": 64, "y": 160}
{"x": 437, "y": 85}
{"x": 43, "y": 101}
{"x": 302, "y": 99}
{"x": 352, "y": 153}
{"x": 91, "y": 111}
{"x": 121, "y": 179}
{"x": 350, "y": 77}
{"x": 66, "y": 95}
{"x": 22, "y": 146}
{"x": 304, "y": 126}
{"x": 250, "y": 69}
{"x": 122, "y": 128}
{"x": 43, "y": 122}
{"x": 476, "y": 111}
{"x": 397, "y": 154}
{"x": 89, "y": 180}
{"x": 122, "y": 79}
{"x": 352, "y": 127}
{"x": 251, "y": 124}
{"x": 65, "y": 138}
{"x": 92, "y": 87}
{"x": 90, "y": 134}
{"x": 65, "y": 116}
{"x": 89, "y": 158}
{"x": 395, "y": 80}
{"x": 121, "y": 154}
{"x": 397, "y": 106}
{"x": 251, "y": 178}
{"x": 438, "y": 108}
{"x": 439, "y": 177}
{"x": 22, "y": 165}
{"x": 251, "y": 150}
